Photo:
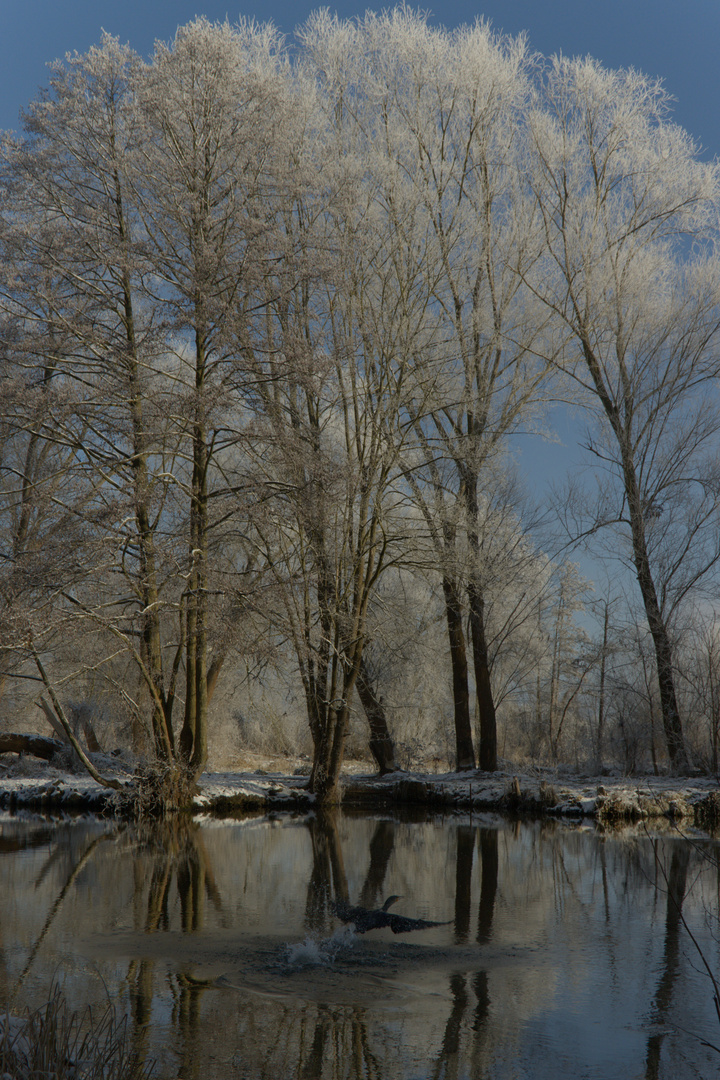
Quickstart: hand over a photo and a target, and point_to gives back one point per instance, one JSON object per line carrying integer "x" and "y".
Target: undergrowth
{"x": 158, "y": 790}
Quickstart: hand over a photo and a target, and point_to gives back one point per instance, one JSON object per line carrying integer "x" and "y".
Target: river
{"x": 564, "y": 951}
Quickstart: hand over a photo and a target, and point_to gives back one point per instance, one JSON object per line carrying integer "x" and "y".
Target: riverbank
{"x": 608, "y": 800}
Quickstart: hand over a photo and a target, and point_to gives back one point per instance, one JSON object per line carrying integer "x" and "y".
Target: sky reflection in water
{"x": 564, "y": 954}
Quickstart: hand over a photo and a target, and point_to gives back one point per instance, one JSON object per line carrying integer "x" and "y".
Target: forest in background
{"x": 272, "y": 319}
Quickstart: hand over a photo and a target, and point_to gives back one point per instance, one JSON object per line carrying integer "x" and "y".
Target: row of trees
{"x": 270, "y": 322}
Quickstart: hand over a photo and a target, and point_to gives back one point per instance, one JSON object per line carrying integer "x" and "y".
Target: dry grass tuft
{"x": 55, "y": 1042}
{"x": 158, "y": 790}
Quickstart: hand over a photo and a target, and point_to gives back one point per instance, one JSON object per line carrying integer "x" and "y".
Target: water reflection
{"x": 487, "y": 841}
{"x": 328, "y": 872}
{"x": 565, "y": 952}
{"x": 178, "y": 857}
{"x": 676, "y": 886}
{"x": 68, "y": 861}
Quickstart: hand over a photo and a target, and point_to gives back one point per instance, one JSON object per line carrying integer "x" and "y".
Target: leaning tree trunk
{"x": 381, "y": 744}
{"x": 672, "y": 724}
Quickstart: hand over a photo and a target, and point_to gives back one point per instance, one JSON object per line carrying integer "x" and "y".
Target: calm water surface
{"x": 564, "y": 953}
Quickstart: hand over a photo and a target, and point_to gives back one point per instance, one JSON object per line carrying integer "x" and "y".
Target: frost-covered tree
{"x": 630, "y": 273}
{"x": 275, "y": 320}
{"x": 137, "y": 214}
{"x": 439, "y": 117}
{"x": 325, "y": 382}
{"x": 212, "y": 108}
{"x": 71, "y": 297}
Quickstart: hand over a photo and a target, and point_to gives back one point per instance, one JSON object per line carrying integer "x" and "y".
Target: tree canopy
{"x": 271, "y": 318}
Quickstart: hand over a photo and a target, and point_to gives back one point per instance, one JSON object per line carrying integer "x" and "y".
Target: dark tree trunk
{"x": 481, "y": 663}
{"x": 381, "y": 744}
{"x": 487, "y": 750}
{"x": 193, "y": 737}
{"x": 658, "y": 629}
{"x": 458, "y": 660}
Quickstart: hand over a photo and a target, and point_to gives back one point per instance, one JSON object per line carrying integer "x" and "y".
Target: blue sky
{"x": 678, "y": 40}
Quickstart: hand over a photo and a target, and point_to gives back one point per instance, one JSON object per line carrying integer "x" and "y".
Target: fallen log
{"x": 37, "y": 745}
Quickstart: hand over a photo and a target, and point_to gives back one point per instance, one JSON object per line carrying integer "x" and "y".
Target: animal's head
{"x": 390, "y": 901}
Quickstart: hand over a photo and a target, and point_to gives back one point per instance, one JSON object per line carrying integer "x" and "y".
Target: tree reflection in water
{"x": 545, "y": 923}
{"x": 180, "y": 855}
{"x": 74, "y": 865}
{"x": 447, "y": 1062}
{"x": 676, "y": 885}
{"x": 327, "y": 877}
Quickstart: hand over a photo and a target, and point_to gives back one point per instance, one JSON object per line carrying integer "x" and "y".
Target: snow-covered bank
{"x": 608, "y": 800}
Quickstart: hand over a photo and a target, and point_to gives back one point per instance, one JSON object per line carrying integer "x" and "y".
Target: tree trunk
{"x": 193, "y": 739}
{"x": 601, "y": 698}
{"x": 329, "y": 753}
{"x": 148, "y": 584}
{"x": 53, "y": 720}
{"x": 659, "y": 631}
{"x": 661, "y": 639}
{"x": 381, "y": 744}
{"x": 476, "y": 604}
{"x": 60, "y": 713}
{"x": 213, "y": 674}
{"x": 324, "y": 781}
{"x": 485, "y": 702}
{"x": 458, "y": 660}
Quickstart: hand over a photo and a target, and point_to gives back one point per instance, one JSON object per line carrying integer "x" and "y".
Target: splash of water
{"x": 318, "y": 952}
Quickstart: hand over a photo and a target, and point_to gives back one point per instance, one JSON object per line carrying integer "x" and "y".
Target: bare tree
{"x": 138, "y": 237}
{"x": 325, "y": 381}
{"x": 211, "y": 105}
{"x": 622, "y": 196}
{"x": 441, "y": 114}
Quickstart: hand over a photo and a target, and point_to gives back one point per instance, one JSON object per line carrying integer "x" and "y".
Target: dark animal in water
{"x": 364, "y": 919}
